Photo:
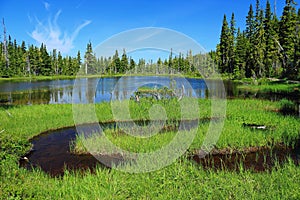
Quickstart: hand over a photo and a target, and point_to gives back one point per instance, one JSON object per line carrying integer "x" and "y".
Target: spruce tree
{"x": 271, "y": 35}
{"x": 296, "y": 63}
{"x": 287, "y": 38}
{"x": 90, "y": 59}
{"x": 116, "y": 63}
{"x": 240, "y": 54}
{"x": 224, "y": 46}
{"x": 78, "y": 61}
{"x": 258, "y": 43}
{"x": 231, "y": 43}
{"x": 124, "y": 62}
{"x": 45, "y": 61}
{"x": 250, "y": 34}
{"x": 132, "y": 64}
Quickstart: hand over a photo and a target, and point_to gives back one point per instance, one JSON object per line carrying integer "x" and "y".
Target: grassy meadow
{"x": 183, "y": 179}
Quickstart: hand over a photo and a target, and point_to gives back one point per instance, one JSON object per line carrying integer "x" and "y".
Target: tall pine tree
{"x": 90, "y": 60}
{"x": 250, "y": 34}
{"x": 287, "y": 38}
{"x": 224, "y": 46}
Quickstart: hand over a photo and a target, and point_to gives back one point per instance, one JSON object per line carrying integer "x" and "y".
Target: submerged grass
{"x": 181, "y": 180}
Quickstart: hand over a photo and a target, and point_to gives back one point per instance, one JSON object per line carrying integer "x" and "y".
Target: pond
{"x": 95, "y": 90}
{"x": 51, "y": 150}
{"x": 51, "y": 153}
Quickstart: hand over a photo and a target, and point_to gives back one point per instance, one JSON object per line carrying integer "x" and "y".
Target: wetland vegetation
{"x": 236, "y": 136}
{"x": 44, "y": 155}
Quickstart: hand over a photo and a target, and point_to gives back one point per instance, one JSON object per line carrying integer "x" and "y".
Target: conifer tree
{"x": 271, "y": 36}
{"x": 250, "y": 34}
{"x": 90, "y": 59}
{"x": 224, "y": 46}
{"x": 297, "y": 47}
{"x": 45, "y": 61}
{"x": 116, "y": 63}
{"x": 259, "y": 42}
{"x": 231, "y": 44}
{"x": 240, "y": 54}
{"x": 124, "y": 62}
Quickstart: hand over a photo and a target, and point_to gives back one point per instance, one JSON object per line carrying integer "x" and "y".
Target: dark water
{"x": 51, "y": 153}
{"x": 51, "y": 150}
{"x": 257, "y": 159}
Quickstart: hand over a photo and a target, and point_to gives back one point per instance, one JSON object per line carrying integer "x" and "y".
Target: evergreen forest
{"x": 269, "y": 47}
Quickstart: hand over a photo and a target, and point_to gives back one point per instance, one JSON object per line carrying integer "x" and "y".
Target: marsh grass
{"x": 124, "y": 141}
{"x": 181, "y": 180}
{"x": 271, "y": 87}
{"x": 234, "y": 134}
{"x": 287, "y": 107}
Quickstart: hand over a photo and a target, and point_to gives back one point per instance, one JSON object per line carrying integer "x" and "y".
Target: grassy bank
{"x": 270, "y": 86}
{"x": 57, "y": 77}
{"x": 237, "y": 133}
{"x": 181, "y": 180}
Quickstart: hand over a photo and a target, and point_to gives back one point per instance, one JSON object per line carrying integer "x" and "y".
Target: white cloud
{"x": 47, "y": 5}
{"x": 51, "y": 34}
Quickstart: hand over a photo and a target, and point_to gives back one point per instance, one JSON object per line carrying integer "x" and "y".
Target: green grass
{"x": 279, "y": 128}
{"x": 181, "y": 180}
{"x": 269, "y": 86}
{"x": 56, "y": 77}
{"x": 36, "y": 78}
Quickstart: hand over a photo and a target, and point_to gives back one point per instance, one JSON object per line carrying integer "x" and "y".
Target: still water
{"x": 95, "y": 90}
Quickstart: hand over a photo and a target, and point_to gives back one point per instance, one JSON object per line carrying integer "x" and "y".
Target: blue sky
{"x": 69, "y": 25}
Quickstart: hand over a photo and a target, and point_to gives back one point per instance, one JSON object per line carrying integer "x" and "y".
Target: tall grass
{"x": 273, "y": 87}
{"x": 234, "y": 134}
{"x": 181, "y": 180}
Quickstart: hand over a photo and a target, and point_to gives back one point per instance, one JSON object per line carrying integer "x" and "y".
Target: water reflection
{"x": 95, "y": 90}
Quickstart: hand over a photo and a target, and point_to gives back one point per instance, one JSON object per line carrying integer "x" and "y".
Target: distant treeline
{"x": 268, "y": 47}
{"x": 18, "y": 60}
{"x": 34, "y": 61}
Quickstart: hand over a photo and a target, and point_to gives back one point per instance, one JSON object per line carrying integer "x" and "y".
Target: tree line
{"x": 268, "y": 47}
{"x": 23, "y": 61}
{"x": 120, "y": 64}
{"x": 20, "y": 60}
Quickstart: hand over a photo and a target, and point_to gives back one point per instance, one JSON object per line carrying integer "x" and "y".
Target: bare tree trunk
{"x": 5, "y": 44}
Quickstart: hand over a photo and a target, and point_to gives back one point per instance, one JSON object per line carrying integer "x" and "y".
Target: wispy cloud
{"x": 147, "y": 35}
{"x": 47, "y": 5}
{"x": 51, "y": 34}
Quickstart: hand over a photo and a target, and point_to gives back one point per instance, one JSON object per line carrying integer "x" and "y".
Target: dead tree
{"x": 5, "y": 44}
